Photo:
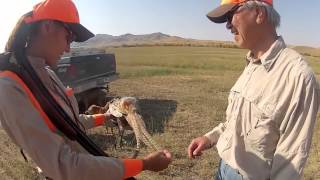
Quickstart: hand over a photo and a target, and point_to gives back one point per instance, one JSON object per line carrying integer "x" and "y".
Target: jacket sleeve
{"x": 91, "y": 121}
{"x": 215, "y": 133}
{"x": 296, "y": 130}
{"x": 50, "y": 151}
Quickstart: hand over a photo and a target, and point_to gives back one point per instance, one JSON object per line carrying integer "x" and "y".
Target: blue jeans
{"x": 226, "y": 172}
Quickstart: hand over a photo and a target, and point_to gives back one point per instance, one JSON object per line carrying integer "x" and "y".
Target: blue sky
{"x": 300, "y": 23}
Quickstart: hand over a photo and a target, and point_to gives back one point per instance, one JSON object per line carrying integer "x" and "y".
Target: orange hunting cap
{"x": 60, "y": 10}
{"x": 219, "y": 15}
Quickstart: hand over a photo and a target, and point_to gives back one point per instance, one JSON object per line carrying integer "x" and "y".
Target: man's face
{"x": 242, "y": 24}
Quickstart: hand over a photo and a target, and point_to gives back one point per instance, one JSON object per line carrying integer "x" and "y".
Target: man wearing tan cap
{"x": 41, "y": 116}
{"x": 273, "y": 105}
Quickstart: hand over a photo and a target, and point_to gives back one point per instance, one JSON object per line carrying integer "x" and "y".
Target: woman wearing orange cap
{"x": 47, "y": 124}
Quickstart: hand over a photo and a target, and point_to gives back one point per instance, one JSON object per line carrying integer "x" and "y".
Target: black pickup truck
{"x": 89, "y": 75}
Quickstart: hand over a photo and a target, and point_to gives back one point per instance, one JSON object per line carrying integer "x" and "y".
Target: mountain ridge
{"x": 102, "y": 41}
{"x": 106, "y": 40}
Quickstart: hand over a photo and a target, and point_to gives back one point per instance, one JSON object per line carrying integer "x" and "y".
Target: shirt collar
{"x": 37, "y": 62}
{"x": 270, "y": 56}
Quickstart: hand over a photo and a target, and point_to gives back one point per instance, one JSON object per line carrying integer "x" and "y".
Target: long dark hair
{"x": 21, "y": 35}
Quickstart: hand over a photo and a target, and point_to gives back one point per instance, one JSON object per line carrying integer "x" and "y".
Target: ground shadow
{"x": 155, "y": 112}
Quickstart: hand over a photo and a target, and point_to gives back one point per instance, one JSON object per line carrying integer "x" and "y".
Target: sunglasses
{"x": 70, "y": 37}
{"x": 232, "y": 12}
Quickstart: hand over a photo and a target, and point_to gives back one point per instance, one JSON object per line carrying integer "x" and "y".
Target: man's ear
{"x": 261, "y": 15}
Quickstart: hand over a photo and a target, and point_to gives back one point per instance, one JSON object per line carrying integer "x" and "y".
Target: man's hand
{"x": 157, "y": 161}
{"x": 197, "y": 146}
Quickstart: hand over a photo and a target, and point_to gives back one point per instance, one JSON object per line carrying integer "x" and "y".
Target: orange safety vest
{"x": 98, "y": 119}
{"x": 35, "y": 103}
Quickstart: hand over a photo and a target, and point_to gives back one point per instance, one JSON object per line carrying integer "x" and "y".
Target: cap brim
{"x": 219, "y": 15}
{"x": 82, "y": 33}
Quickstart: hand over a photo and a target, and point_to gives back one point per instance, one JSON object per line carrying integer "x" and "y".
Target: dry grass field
{"x": 182, "y": 93}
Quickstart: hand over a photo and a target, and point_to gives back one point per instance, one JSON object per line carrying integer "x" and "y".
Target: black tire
{"x": 95, "y": 96}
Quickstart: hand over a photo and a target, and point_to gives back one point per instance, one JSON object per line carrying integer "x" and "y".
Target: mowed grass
{"x": 182, "y": 93}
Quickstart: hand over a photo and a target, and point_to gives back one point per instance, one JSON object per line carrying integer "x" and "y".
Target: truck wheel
{"x": 95, "y": 96}
{"x": 82, "y": 107}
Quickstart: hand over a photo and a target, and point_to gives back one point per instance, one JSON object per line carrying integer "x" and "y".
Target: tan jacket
{"x": 57, "y": 156}
{"x": 270, "y": 116}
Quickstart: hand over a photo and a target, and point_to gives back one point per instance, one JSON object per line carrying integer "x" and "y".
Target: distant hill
{"x": 105, "y": 40}
{"x": 102, "y": 41}
{"x": 306, "y": 50}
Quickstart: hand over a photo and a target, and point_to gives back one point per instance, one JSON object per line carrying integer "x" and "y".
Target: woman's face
{"x": 56, "y": 39}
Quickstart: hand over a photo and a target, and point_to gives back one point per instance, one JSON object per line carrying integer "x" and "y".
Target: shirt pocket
{"x": 263, "y": 134}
